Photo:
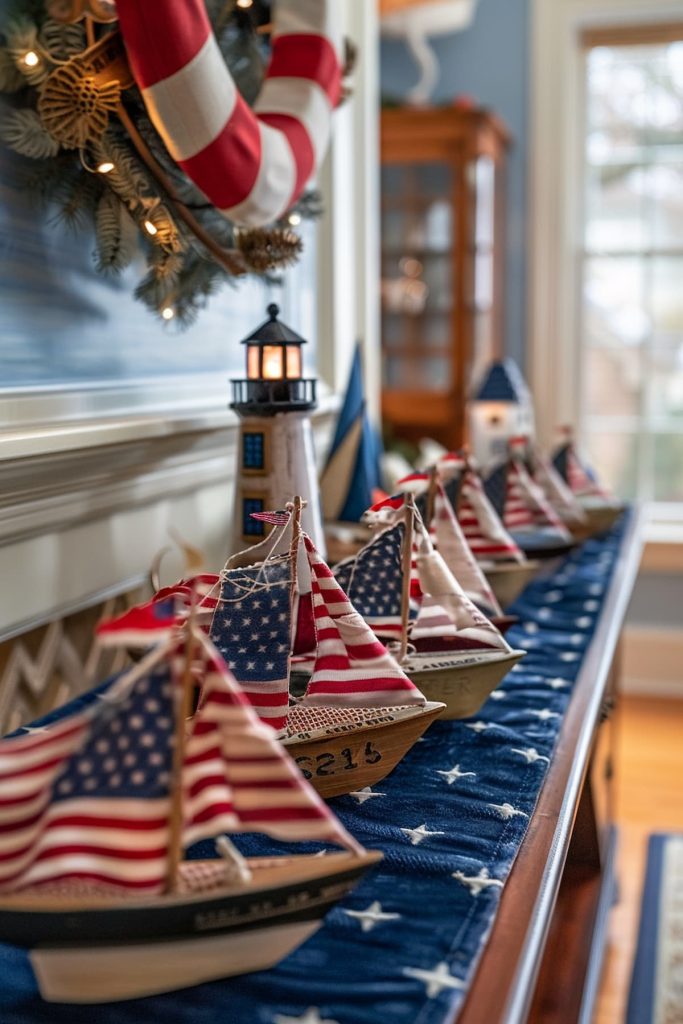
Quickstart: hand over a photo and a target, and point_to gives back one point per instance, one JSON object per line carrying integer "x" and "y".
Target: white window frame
{"x": 556, "y": 147}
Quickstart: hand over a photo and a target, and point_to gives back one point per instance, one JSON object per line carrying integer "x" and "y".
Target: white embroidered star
{"x": 584, "y": 622}
{"x": 478, "y": 883}
{"x": 33, "y": 730}
{"x": 531, "y": 755}
{"x": 507, "y": 811}
{"x": 454, "y": 774}
{"x": 480, "y": 726}
{"x": 371, "y": 916}
{"x": 558, "y": 684}
{"x": 530, "y": 627}
{"x": 436, "y": 980}
{"x": 498, "y": 695}
{"x": 416, "y": 835}
{"x": 364, "y": 794}
{"x": 251, "y": 665}
{"x": 553, "y": 596}
{"x": 311, "y": 1016}
{"x": 569, "y": 656}
{"x": 545, "y": 714}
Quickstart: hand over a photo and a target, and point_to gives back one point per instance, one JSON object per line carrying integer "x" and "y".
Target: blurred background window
{"x": 632, "y": 265}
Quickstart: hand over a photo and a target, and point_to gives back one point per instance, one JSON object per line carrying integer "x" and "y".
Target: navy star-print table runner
{"x": 450, "y": 819}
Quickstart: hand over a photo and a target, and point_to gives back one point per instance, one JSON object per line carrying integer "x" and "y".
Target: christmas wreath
{"x": 156, "y": 141}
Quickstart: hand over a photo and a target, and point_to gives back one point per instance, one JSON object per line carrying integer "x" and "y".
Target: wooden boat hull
{"x": 599, "y": 518}
{"x": 128, "y": 948}
{"x": 508, "y": 579}
{"x": 346, "y": 762}
{"x": 463, "y": 686}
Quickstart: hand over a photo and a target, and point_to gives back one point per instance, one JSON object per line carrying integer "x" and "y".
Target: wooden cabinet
{"x": 442, "y": 262}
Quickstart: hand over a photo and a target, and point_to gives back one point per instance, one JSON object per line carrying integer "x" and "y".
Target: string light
{"x": 294, "y": 219}
{"x": 150, "y": 228}
{"x": 106, "y": 167}
{"x": 168, "y": 312}
{"x": 31, "y": 59}
{"x": 245, "y": 3}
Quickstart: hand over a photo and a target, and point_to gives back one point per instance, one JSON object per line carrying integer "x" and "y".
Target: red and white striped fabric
{"x": 484, "y": 531}
{"x": 352, "y": 667}
{"x": 252, "y": 165}
{"x": 149, "y": 623}
{"x": 526, "y": 506}
{"x": 238, "y": 778}
{"x": 450, "y": 541}
{"x": 580, "y": 483}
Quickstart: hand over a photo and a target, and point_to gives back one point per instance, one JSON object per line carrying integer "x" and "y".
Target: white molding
{"x": 555, "y": 192}
{"x": 348, "y": 290}
{"x": 651, "y": 661}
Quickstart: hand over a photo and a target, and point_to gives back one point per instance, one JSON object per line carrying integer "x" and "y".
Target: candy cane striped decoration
{"x": 252, "y": 165}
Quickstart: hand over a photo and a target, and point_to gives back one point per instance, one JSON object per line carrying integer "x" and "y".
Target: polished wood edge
{"x": 503, "y": 985}
{"x": 638, "y": 34}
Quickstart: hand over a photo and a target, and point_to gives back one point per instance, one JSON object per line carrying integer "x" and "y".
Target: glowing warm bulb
{"x": 245, "y": 3}
{"x": 106, "y": 167}
{"x": 294, "y": 219}
{"x": 168, "y": 312}
{"x": 150, "y": 228}
{"x": 31, "y": 59}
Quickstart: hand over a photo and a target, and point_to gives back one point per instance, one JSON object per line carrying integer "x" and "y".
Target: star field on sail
{"x": 97, "y": 807}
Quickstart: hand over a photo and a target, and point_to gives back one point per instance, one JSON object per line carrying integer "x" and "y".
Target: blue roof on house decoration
{"x": 503, "y": 382}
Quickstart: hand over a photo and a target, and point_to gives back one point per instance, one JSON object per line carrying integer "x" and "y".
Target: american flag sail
{"x": 579, "y": 479}
{"x": 373, "y": 581}
{"x": 558, "y": 493}
{"x": 252, "y": 629}
{"x": 352, "y": 667}
{"x": 484, "y": 532}
{"x": 87, "y": 796}
{"x": 239, "y": 778}
{"x": 147, "y": 624}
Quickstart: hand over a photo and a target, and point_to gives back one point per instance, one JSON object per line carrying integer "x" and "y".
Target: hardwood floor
{"x": 649, "y": 798}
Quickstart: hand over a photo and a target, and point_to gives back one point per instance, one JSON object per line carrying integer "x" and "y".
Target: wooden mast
{"x": 431, "y": 495}
{"x": 407, "y": 561}
{"x": 183, "y": 710}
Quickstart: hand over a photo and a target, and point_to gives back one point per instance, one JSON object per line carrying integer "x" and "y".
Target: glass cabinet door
{"x": 417, "y": 276}
{"x": 482, "y": 174}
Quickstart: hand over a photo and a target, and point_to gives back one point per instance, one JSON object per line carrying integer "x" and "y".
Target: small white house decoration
{"x": 276, "y": 458}
{"x": 500, "y": 408}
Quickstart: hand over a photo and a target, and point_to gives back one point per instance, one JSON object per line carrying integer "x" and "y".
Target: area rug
{"x": 656, "y": 995}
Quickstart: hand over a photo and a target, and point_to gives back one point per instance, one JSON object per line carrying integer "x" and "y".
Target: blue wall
{"x": 490, "y": 62}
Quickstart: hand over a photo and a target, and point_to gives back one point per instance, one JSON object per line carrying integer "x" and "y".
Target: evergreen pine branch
{"x": 114, "y": 233}
{"x": 62, "y": 40}
{"x": 11, "y": 78}
{"x": 23, "y": 132}
{"x": 76, "y": 199}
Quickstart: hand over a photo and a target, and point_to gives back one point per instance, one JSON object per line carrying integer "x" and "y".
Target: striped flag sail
{"x": 252, "y": 629}
{"x": 526, "y": 508}
{"x": 88, "y": 796}
{"x": 557, "y": 492}
{"x": 352, "y": 667}
{"x": 579, "y": 479}
{"x": 239, "y": 778}
{"x": 448, "y": 619}
{"x": 484, "y": 531}
{"x": 149, "y": 623}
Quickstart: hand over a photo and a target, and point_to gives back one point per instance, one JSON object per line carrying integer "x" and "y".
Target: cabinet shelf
{"x": 442, "y": 180}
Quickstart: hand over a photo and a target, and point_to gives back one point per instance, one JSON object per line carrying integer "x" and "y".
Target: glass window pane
{"x": 616, "y": 208}
{"x": 485, "y": 185}
{"x": 614, "y": 309}
{"x": 668, "y": 467}
{"x": 665, "y": 193}
{"x": 665, "y": 382}
{"x": 615, "y": 458}
{"x": 613, "y": 381}
{"x": 667, "y": 295}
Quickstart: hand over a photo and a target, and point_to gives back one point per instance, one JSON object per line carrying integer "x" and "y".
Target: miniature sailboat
{"x": 444, "y": 643}
{"x": 600, "y": 508}
{"x": 449, "y": 539}
{"x": 556, "y": 491}
{"x": 97, "y": 808}
{"x": 523, "y": 507}
{"x": 505, "y": 565}
{"x": 360, "y": 713}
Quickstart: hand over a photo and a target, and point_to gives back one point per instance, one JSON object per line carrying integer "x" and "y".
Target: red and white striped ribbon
{"x": 252, "y": 165}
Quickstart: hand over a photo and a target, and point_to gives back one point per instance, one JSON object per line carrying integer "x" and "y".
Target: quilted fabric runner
{"x": 450, "y": 819}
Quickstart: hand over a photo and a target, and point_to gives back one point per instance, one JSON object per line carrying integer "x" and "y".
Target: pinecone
{"x": 266, "y": 249}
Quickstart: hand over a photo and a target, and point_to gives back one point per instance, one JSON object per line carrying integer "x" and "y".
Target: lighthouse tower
{"x": 276, "y": 455}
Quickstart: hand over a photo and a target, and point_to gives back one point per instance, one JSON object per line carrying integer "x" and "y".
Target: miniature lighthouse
{"x": 500, "y": 409}
{"x": 276, "y": 456}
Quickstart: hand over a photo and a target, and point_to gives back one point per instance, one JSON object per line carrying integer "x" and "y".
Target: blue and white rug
{"x": 403, "y": 947}
{"x": 656, "y": 995}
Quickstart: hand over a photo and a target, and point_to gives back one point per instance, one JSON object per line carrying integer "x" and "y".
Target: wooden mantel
{"x": 542, "y": 961}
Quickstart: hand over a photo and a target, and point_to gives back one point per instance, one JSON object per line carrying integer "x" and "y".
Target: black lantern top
{"x": 274, "y": 381}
